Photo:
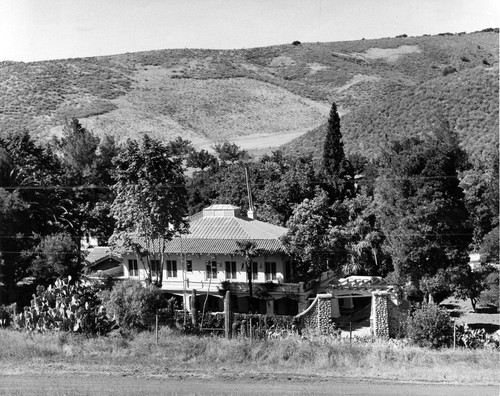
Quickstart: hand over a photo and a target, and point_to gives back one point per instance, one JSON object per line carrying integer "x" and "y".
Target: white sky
{"x": 33, "y": 30}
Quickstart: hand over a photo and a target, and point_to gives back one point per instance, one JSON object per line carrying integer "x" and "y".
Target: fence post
{"x": 350, "y": 332}
{"x": 156, "y": 327}
{"x": 454, "y": 334}
{"x": 227, "y": 315}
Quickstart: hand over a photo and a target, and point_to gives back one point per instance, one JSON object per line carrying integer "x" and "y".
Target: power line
{"x": 108, "y": 187}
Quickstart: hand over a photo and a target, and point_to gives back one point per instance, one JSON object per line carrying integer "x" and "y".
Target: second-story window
{"x": 270, "y": 271}
{"x": 230, "y": 269}
{"x": 211, "y": 270}
{"x": 171, "y": 269}
{"x": 189, "y": 265}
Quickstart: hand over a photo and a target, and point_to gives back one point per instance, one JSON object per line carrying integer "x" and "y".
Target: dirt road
{"x": 92, "y": 384}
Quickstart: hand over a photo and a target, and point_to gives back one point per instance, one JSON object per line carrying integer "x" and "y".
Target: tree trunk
{"x": 473, "y": 302}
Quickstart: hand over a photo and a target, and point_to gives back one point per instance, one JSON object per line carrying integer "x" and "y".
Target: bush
{"x": 66, "y": 307}
{"x": 449, "y": 70}
{"x": 430, "y": 326}
{"x": 134, "y": 304}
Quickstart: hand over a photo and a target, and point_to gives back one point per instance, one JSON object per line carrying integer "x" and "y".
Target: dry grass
{"x": 205, "y": 356}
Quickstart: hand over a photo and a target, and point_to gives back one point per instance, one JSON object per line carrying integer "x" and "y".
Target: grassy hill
{"x": 262, "y": 98}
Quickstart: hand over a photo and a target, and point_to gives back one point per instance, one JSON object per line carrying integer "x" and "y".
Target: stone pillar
{"x": 379, "y": 319}
{"x": 325, "y": 324}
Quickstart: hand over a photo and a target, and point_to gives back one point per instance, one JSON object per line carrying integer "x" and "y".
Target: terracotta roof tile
{"x": 218, "y": 235}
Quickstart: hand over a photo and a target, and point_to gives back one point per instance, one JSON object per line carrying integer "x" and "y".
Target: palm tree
{"x": 248, "y": 249}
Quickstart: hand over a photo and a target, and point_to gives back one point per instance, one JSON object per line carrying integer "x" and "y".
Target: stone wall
{"x": 325, "y": 322}
{"x": 379, "y": 318}
{"x": 386, "y": 317}
{"x": 317, "y": 317}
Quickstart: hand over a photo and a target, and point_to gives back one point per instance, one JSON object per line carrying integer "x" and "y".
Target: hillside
{"x": 262, "y": 98}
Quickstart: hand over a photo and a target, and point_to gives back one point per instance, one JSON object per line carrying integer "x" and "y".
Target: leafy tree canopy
{"x": 150, "y": 197}
{"x": 421, "y": 206}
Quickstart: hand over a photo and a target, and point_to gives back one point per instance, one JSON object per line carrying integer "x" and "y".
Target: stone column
{"x": 325, "y": 325}
{"x": 379, "y": 319}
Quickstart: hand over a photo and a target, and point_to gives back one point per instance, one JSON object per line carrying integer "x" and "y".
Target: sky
{"x": 32, "y": 30}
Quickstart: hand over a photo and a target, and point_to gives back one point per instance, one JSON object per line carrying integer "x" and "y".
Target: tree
{"x": 87, "y": 163}
{"x": 200, "y": 159}
{"x": 316, "y": 237}
{"x": 230, "y": 152}
{"x": 420, "y": 205}
{"x": 150, "y": 204}
{"x": 468, "y": 283}
{"x": 30, "y": 204}
{"x": 56, "y": 256}
{"x": 480, "y": 184}
{"x": 365, "y": 241}
{"x": 339, "y": 173}
{"x": 248, "y": 249}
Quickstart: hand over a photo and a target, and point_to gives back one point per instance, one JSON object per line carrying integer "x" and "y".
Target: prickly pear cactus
{"x": 66, "y": 306}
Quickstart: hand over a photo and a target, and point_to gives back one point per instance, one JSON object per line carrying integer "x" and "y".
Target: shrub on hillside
{"x": 430, "y": 326}
{"x": 449, "y": 70}
{"x": 134, "y": 304}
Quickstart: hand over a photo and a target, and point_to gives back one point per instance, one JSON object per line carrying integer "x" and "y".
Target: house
{"x": 206, "y": 260}
{"x": 101, "y": 262}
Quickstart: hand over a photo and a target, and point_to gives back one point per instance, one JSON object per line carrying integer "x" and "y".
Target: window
{"x": 211, "y": 271}
{"x": 171, "y": 269}
{"x": 132, "y": 268}
{"x": 155, "y": 268}
{"x": 189, "y": 265}
{"x": 270, "y": 271}
{"x": 254, "y": 270}
{"x": 230, "y": 269}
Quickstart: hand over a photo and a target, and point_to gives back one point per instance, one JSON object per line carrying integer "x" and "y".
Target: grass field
{"x": 210, "y": 356}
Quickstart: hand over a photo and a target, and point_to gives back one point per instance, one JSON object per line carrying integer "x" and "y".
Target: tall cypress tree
{"x": 337, "y": 169}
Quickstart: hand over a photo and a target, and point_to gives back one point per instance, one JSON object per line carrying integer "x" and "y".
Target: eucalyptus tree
{"x": 150, "y": 206}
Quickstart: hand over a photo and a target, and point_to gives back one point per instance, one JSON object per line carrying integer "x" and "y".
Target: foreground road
{"x": 77, "y": 384}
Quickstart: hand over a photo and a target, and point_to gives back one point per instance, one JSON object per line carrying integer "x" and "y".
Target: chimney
{"x": 251, "y": 209}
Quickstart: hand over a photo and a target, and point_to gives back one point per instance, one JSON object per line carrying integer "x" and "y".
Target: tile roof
{"x": 211, "y": 234}
{"x": 99, "y": 253}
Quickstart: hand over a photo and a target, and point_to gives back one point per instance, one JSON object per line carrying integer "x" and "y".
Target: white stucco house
{"x": 206, "y": 260}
